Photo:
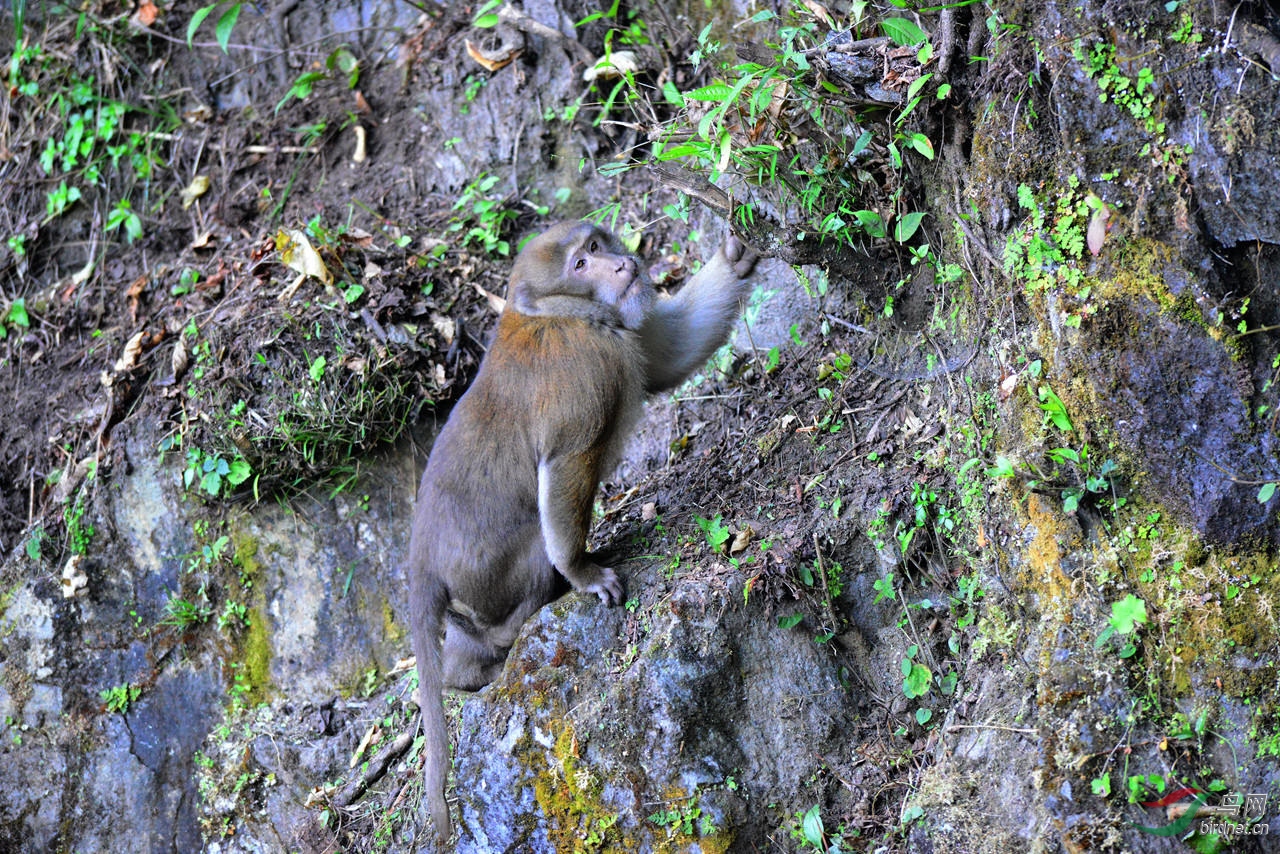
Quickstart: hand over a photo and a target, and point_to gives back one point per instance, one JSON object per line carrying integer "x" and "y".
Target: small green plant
{"x": 810, "y": 831}
{"x": 184, "y": 614}
{"x": 34, "y": 543}
{"x": 715, "y": 532}
{"x": 118, "y": 699}
{"x": 213, "y": 474}
{"x": 222, "y": 30}
{"x": 1140, "y": 786}
{"x": 235, "y": 615}
{"x": 483, "y": 217}
{"x": 687, "y": 819}
{"x": 916, "y": 678}
{"x": 123, "y": 215}
{"x": 16, "y": 316}
{"x": 79, "y": 532}
{"x": 1126, "y": 616}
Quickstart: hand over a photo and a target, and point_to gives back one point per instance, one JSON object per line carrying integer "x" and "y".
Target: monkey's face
{"x": 578, "y": 270}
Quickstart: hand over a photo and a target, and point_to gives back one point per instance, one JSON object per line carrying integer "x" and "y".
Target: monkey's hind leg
{"x": 471, "y": 661}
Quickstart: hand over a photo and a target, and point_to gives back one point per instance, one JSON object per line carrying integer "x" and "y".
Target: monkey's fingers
{"x": 741, "y": 257}
{"x": 609, "y": 588}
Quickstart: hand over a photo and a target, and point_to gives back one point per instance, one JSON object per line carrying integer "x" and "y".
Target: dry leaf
{"x": 74, "y": 581}
{"x": 202, "y": 240}
{"x": 146, "y": 14}
{"x": 132, "y": 349}
{"x": 649, "y": 511}
{"x": 178, "y": 361}
{"x": 198, "y": 187}
{"x": 369, "y": 736}
{"x": 1007, "y": 386}
{"x": 1097, "y": 232}
{"x": 618, "y": 63}
{"x": 821, "y": 13}
{"x": 496, "y": 303}
{"x": 445, "y": 327}
{"x": 360, "y": 154}
{"x": 297, "y": 252}
{"x": 135, "y": 290}
{"x": 491, "y": 61}
{"x": 741, "y": 540}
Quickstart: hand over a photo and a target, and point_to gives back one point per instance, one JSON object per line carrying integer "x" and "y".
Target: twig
{"x": 376, "y": 769}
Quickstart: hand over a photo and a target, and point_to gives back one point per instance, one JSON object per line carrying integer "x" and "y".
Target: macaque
{"x": 504, "y": 507}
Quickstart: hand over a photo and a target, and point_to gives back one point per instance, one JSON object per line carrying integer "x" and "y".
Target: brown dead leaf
{"x": 741, "y": 540}
{"x": 491, "y": 61}
{"x": 445, "y": 327}
{"x": 820, "y": 12}
{"x": 146, "y": 13}
{"x": 132, "y": 349}
{"x": 1008, "y": 383}
{"x": 299, "y": 255}
{"x": 1097, "y": 232}
{"x": 496, "y": 302}
{"x": 135, "y": 290}
{"x": 198, "y": 187}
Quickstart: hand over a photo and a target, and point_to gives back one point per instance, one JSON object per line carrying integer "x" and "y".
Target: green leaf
{"x": 1127, "y": 614}
{"x": 921, "y": 144}
{"x": 33, "y": 544}
{"x": 906, "y": 227}
{"x": 790, "y": 622}
{"x": 1055, "y": 410}
{"x": 917, "y": 85}
{"x": 864, "y": 139}
{"x": 1264, "y": 494}
{"x": 903, "y": 32}
{"x": 18, "y": 317}
{"x": 812, "y": 827}
{"x": 211, "y": 483}
{"x": 916, "y": 683}
{"x": 871, "y": 222}
{"x": 225, "y": 24}
{"x": 923, "y": 715}
{"x": 316, "y": 369}
{"x": 671, "y": 94}
{"x": 713, "y": 92}
{"x": 238, "y": 472}
{"x": 1002, "y": 468}
{"x": 197, "y": 19}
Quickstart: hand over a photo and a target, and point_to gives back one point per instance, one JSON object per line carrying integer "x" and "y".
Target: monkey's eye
{"x": 579, "y": 264}
{"x": 595, "y": 247}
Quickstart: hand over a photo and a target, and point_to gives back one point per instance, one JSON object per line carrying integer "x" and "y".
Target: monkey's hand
{"x": 741, "y": 257}
{"x": 602, "y": 581}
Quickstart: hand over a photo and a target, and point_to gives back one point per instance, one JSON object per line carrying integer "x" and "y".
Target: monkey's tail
{"x": 429, "y": 620}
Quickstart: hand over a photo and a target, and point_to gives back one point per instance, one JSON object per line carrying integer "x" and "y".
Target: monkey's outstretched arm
{"x": 566, "y": 485}
{"x": 682, "y": 331}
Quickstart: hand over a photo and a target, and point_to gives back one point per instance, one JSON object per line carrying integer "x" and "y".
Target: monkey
{"x": 504, "y": 506}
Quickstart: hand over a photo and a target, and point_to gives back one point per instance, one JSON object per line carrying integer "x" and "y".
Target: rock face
{"x": 709, "y": 705}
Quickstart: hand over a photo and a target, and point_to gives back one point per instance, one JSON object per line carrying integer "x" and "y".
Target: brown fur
{"x": 504, "y": 508}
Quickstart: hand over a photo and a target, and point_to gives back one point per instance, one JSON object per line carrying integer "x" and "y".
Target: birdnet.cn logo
{"x": 1188, "y": 810}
